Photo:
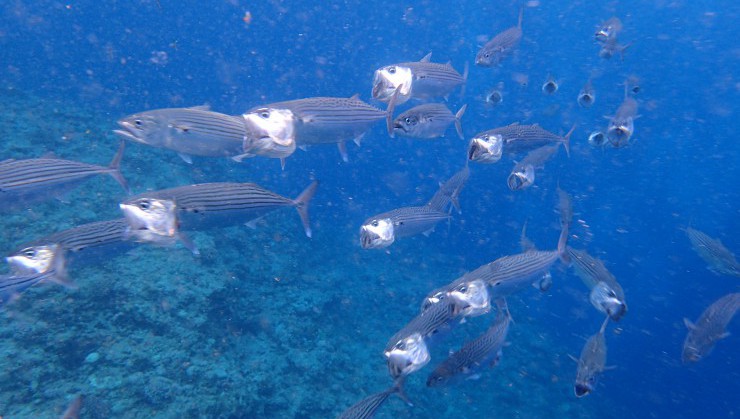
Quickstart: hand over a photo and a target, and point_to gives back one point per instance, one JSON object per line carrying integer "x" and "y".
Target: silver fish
{"x": 720, "y": 260}
{"x": 449, "y": 191}
{"x": 366, "y": 408}
{"x": 622, "y": 124}
{"x": 468, "y": 294}
{"x": 606, "y": 295}
{"x": 494, "y": 97}
{"x": 409, "y": 354}
{"x": 523, "y": 174}
{"x": 709, "y": 328}
{"x": 419, "y": 79}
{"x": 428, "y": 323}
{"x": 383, "y": 229}
{"x": 25, "y": 182}
{"x": 587, "y": 95}
{"x": 429, "y": 120}
{"x": 597, "y": 139}
{"x": 608, "y": 30}
{"x": 550, "y": 86}
{"x": 485, "y": 148}
{"x": 500, "y": 46}
{"x": 189, "y": 132}
{"x": 591, "y": 363}
{"x": 320, "y": 120}
{"x": 517, "y": 138}
{"x": 33, "y": 260}
{"x": 269, "y": 133}
{"x": 485, "y": 349}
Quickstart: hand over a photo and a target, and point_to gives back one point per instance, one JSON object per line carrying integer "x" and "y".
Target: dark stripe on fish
{"x": 366, "y": 408}
{"x": 95, "y": 234}
{"x": 408, "y": 221}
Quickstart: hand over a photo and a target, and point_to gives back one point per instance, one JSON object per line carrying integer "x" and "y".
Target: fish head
{"x": 407, "y": 355}
{"x": 270, "y": 132}
{"x": 494, "y": 97}
{"x": 583, "y": 388}
{"x": 406, "y": 124}
{"x": 151, "y": 220}
{"x": 608, "y": 30}
{"x": 521, "y": 178}
{"x": 691, "y": 353}
{"x": 550, "y": 87}
{"x": 470, "y": 298}
{"x": 439, "y": 377}
{"x": 389, "y": 78}
{"x": 486, "y": 148}
{"x": 488, "y": 57}
{"x": 586, "y": 99}
{"x": 606, "y": 300}
{"x": 620, "y": 130}
{"x": 34, "y": 259}
{"x": 148, "y": 128}
{"x": 377, "y": 233}
{"x": 435, "y": 297}
{"x": 597, "y": 139}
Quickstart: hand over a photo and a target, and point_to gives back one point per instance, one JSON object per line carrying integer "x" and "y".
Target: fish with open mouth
{"x": 622, "y": 124}
{"x": 397, "y": 83}
{"x": 606, "y": 295}
{"x": 591, "y": 363}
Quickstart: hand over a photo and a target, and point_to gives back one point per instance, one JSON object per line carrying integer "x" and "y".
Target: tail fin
{"x": 389, "y": 112}
{"x": 521, "y": 15}
{"x": 301, "y": 205}
{"x": 458, "y": 125}
{"x": 115, "y": 166}
{"x": 566, "y": 139}
{"x": 563, "y": 245}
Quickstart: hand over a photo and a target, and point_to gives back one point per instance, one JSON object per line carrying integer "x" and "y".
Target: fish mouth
{"x": 582, "y": 390}
{"x": 128, "y": 132}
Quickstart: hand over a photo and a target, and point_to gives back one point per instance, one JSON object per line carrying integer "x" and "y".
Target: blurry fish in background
{"x": 366, "y": 408}
{"x": 709, "y": 328}
{"x": 622, "y": 124}
{"x": 50, "y": 267}
{"x": 189, "y": 132}
{"x": 419, "y": 80}
{"x": 516, "y": 138}
{"x": 494, "y": 98}
{"x": 523, "y": 174}
{"x": 597, "y": 139}
{"x": 587, "y": 95}
{"x": 606, "y": 295}
{"x": 449, "y": 191}
{"x": 73, "y": 410}
{"x": 612, "y": 47}
{"x": 720, "y": 260}
{"x": 608, "y": 30}
{"x": 30, "y": 181}
{"x": 317, "y": 120}
{"x": 429, "y": 120}
{"x": 550, "y": 86}
{"x": 500, "y": 46}
{"x": 591, "y": 363}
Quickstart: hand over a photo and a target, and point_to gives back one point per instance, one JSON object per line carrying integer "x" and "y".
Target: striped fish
{"x": 607, "y": 295}
{"x": 12, "y": 286}
{"x": 158, "y": 216}
{"x": 366, "y": 408}
{"x": 622, "y": 124}
{"x": 468, "y": 294}
{"x": 189, "y": 132}
{"x": 24, "y": 182}
{"x": 517, "y": 138}
{"x": 427, "y": 323}
{"x": 523, "y": 174}
{"x": 500, "y": 46}
{"x": 429, "y": 120}
{"x": 721, "y": 261}
{"x": 591, "y": 363}
{"x": 449, "y": 191}
{"x": 485, "y": 349}
{"x": 382, "y": 230}
{"x": 321, "y": 120}
{"x": 710, "y": 328}
{"x": 419, "y": 79}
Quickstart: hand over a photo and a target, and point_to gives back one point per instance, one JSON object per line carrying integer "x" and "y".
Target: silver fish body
{"x": 591, "y": 363}
{"x": 720, "y": 260}
{"x": 419, "y": 80}
{"x": 622, "y": 124}
{"x": 428, "y": 323}
{"x": 383, "y": 229}
{"x": 514, "y": 273}
{"x": 516, "y": 138}
{"x": 485, "y": 148}
{"x": 426, "y": 121}
{"x": 587, "y": 95}
{"x": 500, "y": 46}
{"x": 483, "y": 350}
{"x": 606, "y": 295}
{"x": 407, "y": 355}
{"x": 709, "y": 328}
{"x": 187, "y": 131}
{"x": 30, "y": 181}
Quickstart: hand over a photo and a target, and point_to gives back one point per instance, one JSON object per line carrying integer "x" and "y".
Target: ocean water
{"x": 269, "y": 323}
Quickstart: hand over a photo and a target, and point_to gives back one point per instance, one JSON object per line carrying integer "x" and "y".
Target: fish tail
{"x": 301, "y": 205}
{"x": 521, "y": 15}
{"x": 389, "y": 112}
{"x": 563, "y": 245}
{"x": 566, "y": 139}
{"x": 115, "y": 166}
{"x": 458, "y": 125}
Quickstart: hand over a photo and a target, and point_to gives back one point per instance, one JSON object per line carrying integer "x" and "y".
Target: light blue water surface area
{"x": 269, "y": 323}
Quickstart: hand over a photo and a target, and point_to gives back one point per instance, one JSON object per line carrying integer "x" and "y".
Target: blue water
{"x": 268, "y": 323}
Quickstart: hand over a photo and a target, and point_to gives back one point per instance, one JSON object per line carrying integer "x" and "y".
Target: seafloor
{"x": 266, "y": 323}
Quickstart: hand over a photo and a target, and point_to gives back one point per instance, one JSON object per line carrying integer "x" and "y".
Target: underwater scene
{"x": 417, "y": 209}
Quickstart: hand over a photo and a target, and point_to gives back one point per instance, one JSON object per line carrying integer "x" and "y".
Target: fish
{"x": 515, "y": 138}
{"x": 622, "y": 124}
{"x": 591, "y": 363}
{"x": 565, "y": 208}
{"x": 485, "y": 148}
{"x": 522, "y": 175}
{"x": 550, "y": 86}
{"x": 606, "y": 294}
{"x": 608, "y": 30}
{"x": 611, "y": 47}
{"x": 467, "y": 294}
{"x": 429, "y": 120}
{"x": 408, "y": 355}
{"x": 158, "y": 216}
{"x": 430, "y": 322}
{"x": 319, "y": 120}
{"x": 483, "y": 350}
{"x": 269, "y": 133}
{"x": 30, "y": 181}
{"x": 494, "y": 97}
{"x": 500, "y": 46}
{"x": 50, "y": 267}
{"x": 34, "y": 260}
{"x": 194, "y": 131}
{"x": 597, "y": 139}
{"x": 720, "y": 260}
{"x": 587, "y": 95}
{"x": 709, "y": 328}
{"x": 366, "y": 408}
{"x": 417, "y": 79}
{"x": 449, "y": 191}
{"x": 382, "y": 230}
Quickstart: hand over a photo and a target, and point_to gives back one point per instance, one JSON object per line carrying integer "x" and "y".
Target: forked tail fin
{"x": 115, "y": 166}
{"x": 301, "y": 205}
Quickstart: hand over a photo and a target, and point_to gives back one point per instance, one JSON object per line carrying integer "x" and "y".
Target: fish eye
{"x": 264, "y": 114}
{"x": 374, "y": 223}
{"x": 144, "y": 205}
{"x": 138, "y": 122}
{"x": 30, "y": 252}
{"x": 487, "y": 55}
{"x": 463, "y": 289}
{"x": 392, "y": 70}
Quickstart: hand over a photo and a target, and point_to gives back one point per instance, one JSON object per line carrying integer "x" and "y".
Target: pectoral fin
{"x": 187, "y": 159}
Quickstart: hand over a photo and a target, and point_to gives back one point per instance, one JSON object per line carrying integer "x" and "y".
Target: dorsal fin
{"x": 356, "y": 96}
{"x": 426, "y": 58}
{"x": 203, "y": 107}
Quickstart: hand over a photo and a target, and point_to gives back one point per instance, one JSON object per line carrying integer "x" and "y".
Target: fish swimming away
{"x": 449, "y": 191}
{"x": 494, "y": 97}
{"x": 482, "y": 351}
{"x": 591, "y": 363}
{"x": 709, "y": 328}
{"x": 516, "y": 138}
{"x": 320, "y": 120}
{"x": 522, "y": 175}
{"x": 622, "y": 124}
{"x": 417, "y": 79}
{"x": 720, "y": 260}
{"x": 587, "y": 95}
{"x": 195, "y": 131}
{"x": 500, "y": 46}
{"x": 30, "y": 181}
{"x": 426, "y": 121}
{"x": 611, "y": 47}
{"x": 366, "y": 408}
{"x": 606, "y": 295}
{"x": 158, "y": 216}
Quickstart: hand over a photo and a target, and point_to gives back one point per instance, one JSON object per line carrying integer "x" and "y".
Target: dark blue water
{"x": 268, "y": 323}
